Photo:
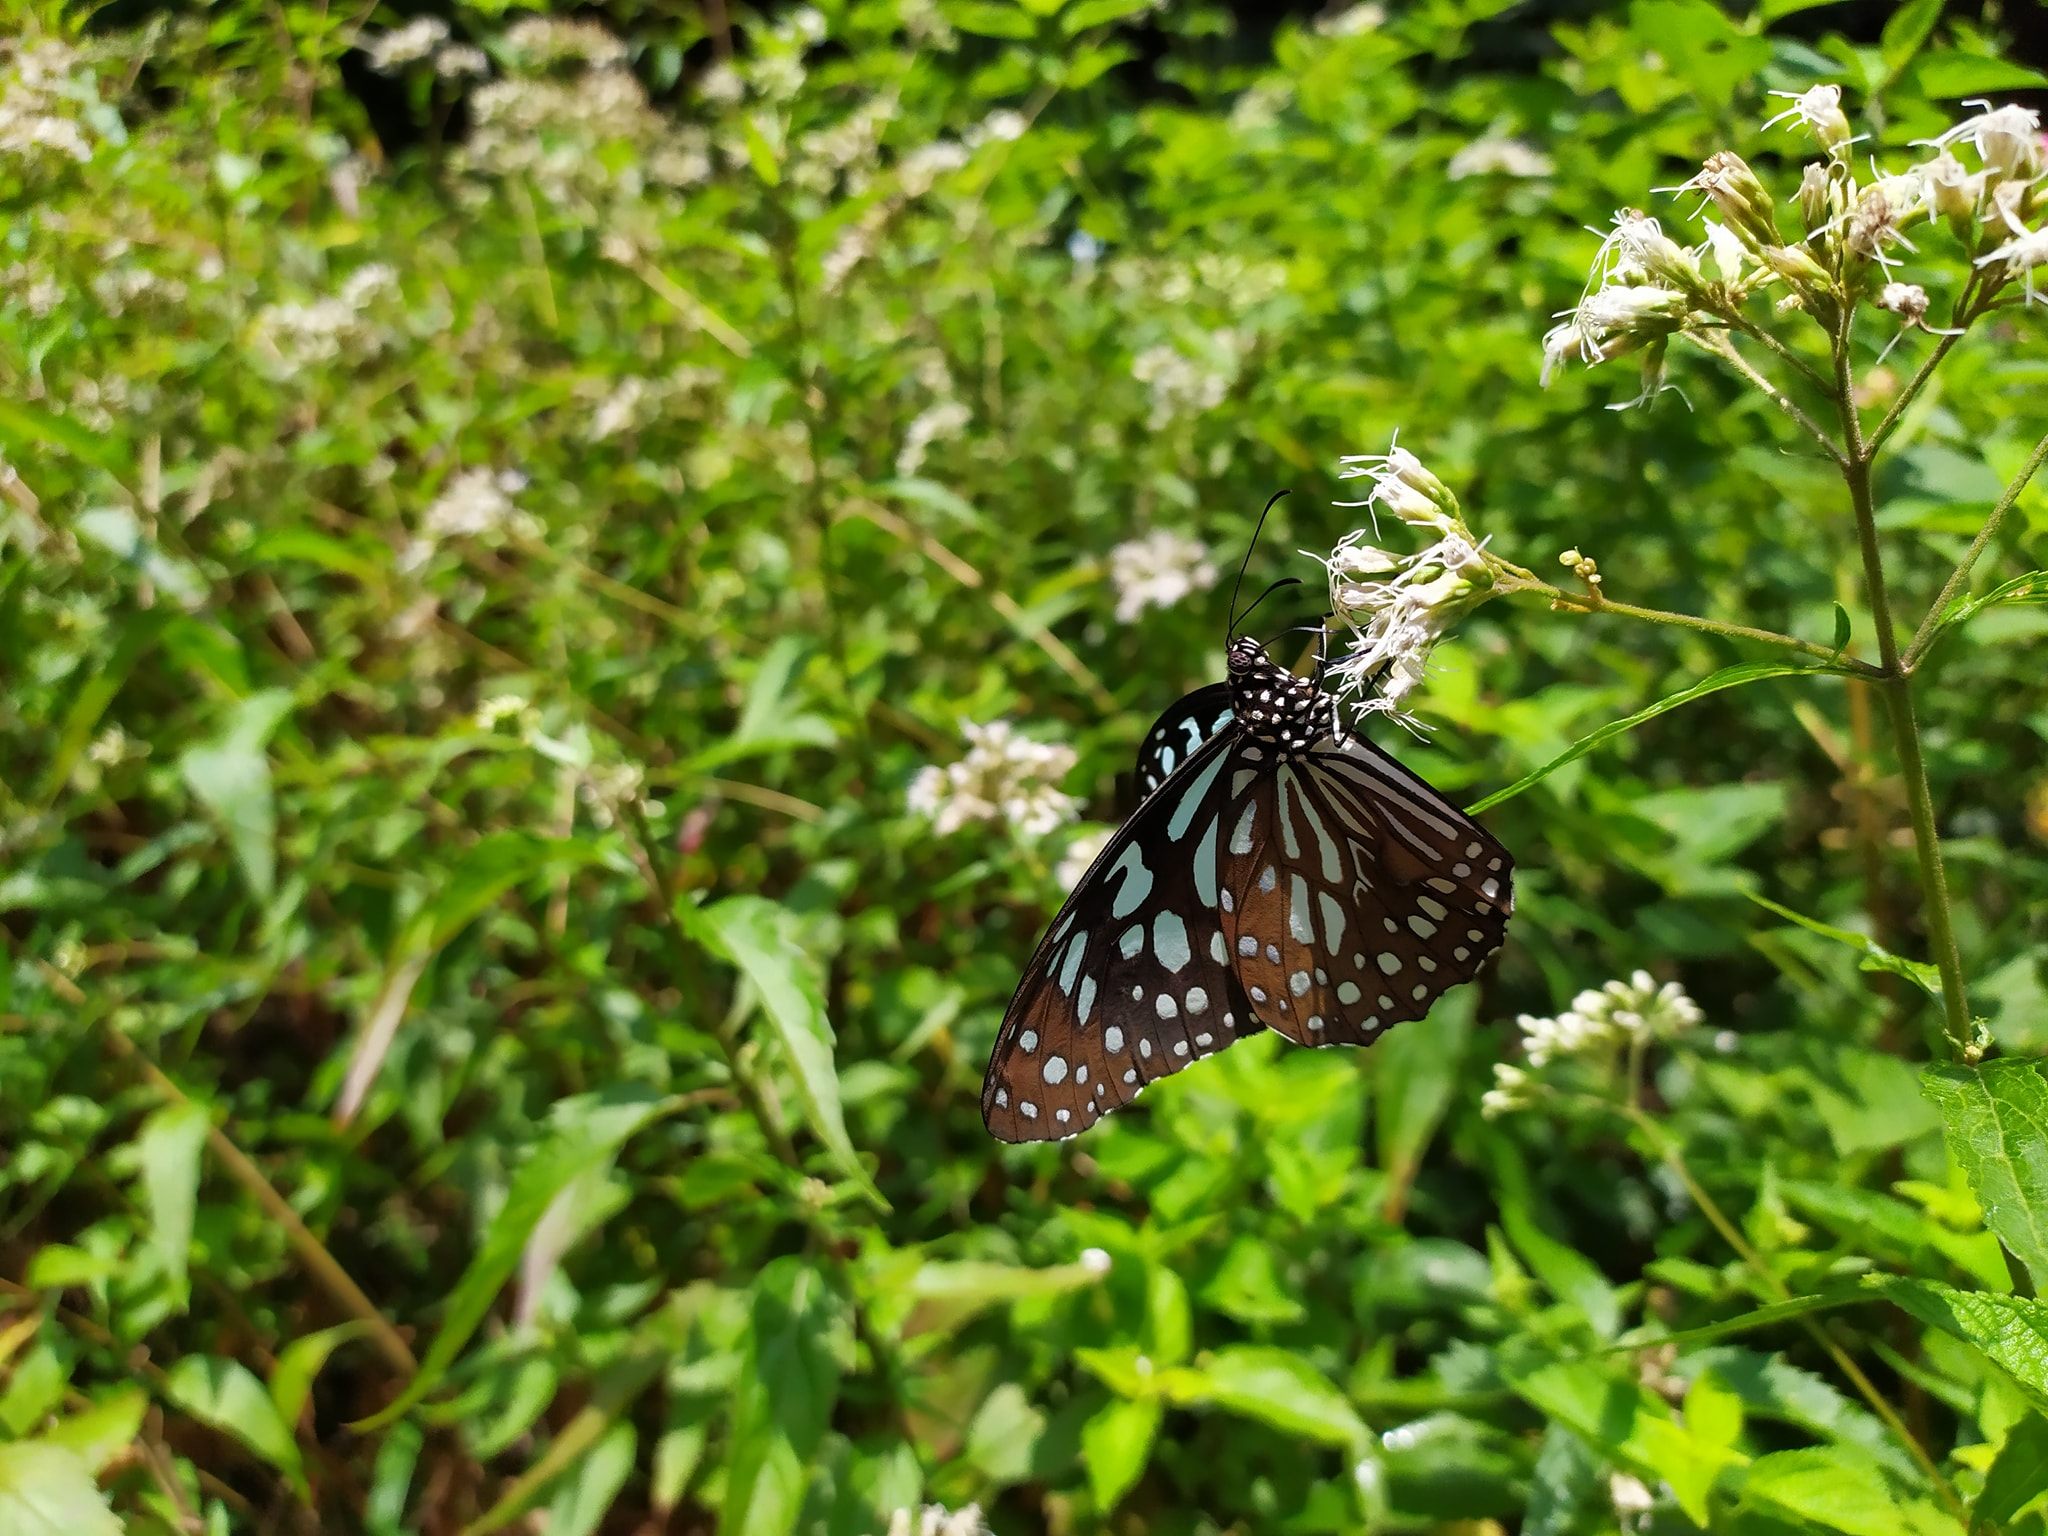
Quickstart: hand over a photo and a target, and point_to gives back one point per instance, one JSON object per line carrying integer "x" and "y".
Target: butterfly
{"x": 1281, "y": 872}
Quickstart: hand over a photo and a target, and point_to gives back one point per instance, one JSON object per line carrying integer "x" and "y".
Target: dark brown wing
{"x": 1358, "y": 896}
{"x": 1132, "y": 981}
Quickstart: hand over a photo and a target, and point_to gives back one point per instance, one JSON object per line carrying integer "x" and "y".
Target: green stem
{"x": 1667, "y": 1150}
{"x": 1525, "y": 581}
{"x": 1924, "y": 635}
{"x": 1720, "y": 346}
{"x": 1898, "y": 697}
{"x": 1959, "y": 321}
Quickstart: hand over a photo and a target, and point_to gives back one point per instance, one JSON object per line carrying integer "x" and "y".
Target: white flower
{"x": 1820, "y": 110}
{"x": 920, "y": 170}
{"x": 935, "y": 423}
{"x": 459, "y": 61}
{"x": 391, "y": 51}
{"x": 1630, "y": 1497}
{"x": 477, "y": 502}
{"x": 721, "y": 85}
{"x": 2026, "y": 250}
{"x": 1906, "y": 300}
{"x": 1096, "y": 1261}
{"x": 1004, "y": 777}
{"x": 1610, "y": 1015}
{"x": 1082, "y": 851}
{"x": 1157, "y": 570}
{"x": 2007, "y": 140}
{"x": 1181, "y": 385}
{"x": 1404, "y": 486}
{"x": 501, "y": 707}
{"x": 1354, "y": 22}
{"x": 1498, "y": 157}
{"x": 937, "y": 1520}
{"x": 43, "y": 96}
{"x": 1002, "y": 126}
{"x": 545, "y": 40}
{"x": 1509, "y": 1091}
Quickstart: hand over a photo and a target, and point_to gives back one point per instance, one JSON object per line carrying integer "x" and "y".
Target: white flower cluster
{"x": 1395, "y": 609}
{"x": 636, "y": 401}
{"x": 43, "y": 97}
{"x": 34, "y": 290}
{"x": 935, "y": 423}
{"x": 1499, "y": 156}
{"x": 424, "y": 38}
{"x": 1646, "y": 286}
{"x": 937, "y": 1520}
{"x": 293, "y": 336}
{"x": 121, "y": 286}
{"x": 1184, "y": 386}
{"x": 1004, "y": 777}
{"x": 567, "y": 98}
{"x": 477, "y": 503}
{"x": 1157, "y": 570}
{"x": 1082, "y": 851}
{"x": 1599, "y": 1020}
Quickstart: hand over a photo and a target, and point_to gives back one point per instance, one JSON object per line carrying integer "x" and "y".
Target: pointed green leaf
{"x": 1875, "y": 956}
{"x": 1995, "y": 1117}
{"x": 168, "y": 1152}
{"x": 2011, "y": 1331}
{"x": 46, "y": 1490}
{"x": 796, "y": 1344}
{"x": 291, "y": 1379}
{"x": 1274, "y": 1386}
{"x": 1834, "y": 1487}
{"x": 230, "y": 777}
{"x": 1116, "y": 1442}
{"x": 1727, "y": 677}
{"x": 227, "y": 1395}
{"x": 588, "y": 1132}
{"x": 754, "y": 934}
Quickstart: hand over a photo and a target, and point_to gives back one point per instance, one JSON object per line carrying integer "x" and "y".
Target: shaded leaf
{"x": 786, "y": 1391}
{"x": 227, "y": 1395}
{"x": 2016, "y": 1478}
{"x": 168, "y": 1152}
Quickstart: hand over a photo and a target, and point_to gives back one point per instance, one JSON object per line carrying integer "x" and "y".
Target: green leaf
{"x": 2011, "y": 1331}
{"x": 230, "y": 777}
{"x": 1907, "y": 29}
{"x": 1767, "y": 1316}
{"x": 291, "y": 1379}
{"x": 755, "y": 935}
{"x": 1096, "y": 13}
{"x": 1875, "y": 956}
{"x": 2016, "y": 1478}
{"x": 227, "y": 1395}
{"x": 46, "y": 1490}
{"x": 168, "y": 1153}
{"x": 589, "y": 1131}
{"x": 117, "y": 531}
{"x": 796, "y": 1342}
{"x": 2029, "y": 588}
{"x": 1727, "y": 677}
{"x": 1842, "y": 631}
{"x": 100, "y": 1432}
{"x": 1116, "y": 1443}
{"x": 1414, "y": 1075}
{"x": 1995, "y": 1118}
{"x": 1272, "y": 1385}
{"x": 1950, "y": 75}
{"x": 1835, "y": 1487}
{"x": 592, "y": 1487}
{"x": 1621, "y": 1420}
{"x": 992, "y": 18}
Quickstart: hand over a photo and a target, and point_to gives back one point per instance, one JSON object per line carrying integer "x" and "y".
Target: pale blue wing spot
{"x": 1170, "y": 941}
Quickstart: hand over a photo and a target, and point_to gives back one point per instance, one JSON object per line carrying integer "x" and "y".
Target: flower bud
{"x": 1644, "y": 245}
{"x": 1732, "y": 187}
{"x": 1951, "y": 191}
{"x": 1797, "y": 266}
{"x": 1816, "y": 197}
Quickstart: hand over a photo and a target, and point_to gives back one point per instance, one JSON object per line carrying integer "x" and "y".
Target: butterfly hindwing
{"x": 1132, "y": 980}
{"x": 1365, "y": 898}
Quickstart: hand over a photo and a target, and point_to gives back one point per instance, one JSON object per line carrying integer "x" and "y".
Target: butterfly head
{"x": 1272, "y": 702}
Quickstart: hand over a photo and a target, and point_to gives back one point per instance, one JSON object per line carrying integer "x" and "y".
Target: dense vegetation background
{"x": 493, "y": 1002}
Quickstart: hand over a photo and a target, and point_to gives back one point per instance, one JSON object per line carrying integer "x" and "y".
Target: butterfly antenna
{"x": 1246, "y": 562}
{"x": 1279, "y": 586}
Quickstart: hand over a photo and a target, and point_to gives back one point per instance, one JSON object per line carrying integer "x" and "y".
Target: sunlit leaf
{"x": 1996, "y": 1120}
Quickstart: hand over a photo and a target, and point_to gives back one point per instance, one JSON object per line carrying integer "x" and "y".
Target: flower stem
{"x": 1924, "y": 635}
{"x": 1898, "y": 698}
{"x": 1959, "y": 321}
{"x": 1830, "y": 659}
{"x": 1720, "y": 346}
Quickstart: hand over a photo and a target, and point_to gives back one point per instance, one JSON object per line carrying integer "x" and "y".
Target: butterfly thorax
{"x": 1272, "y": 703}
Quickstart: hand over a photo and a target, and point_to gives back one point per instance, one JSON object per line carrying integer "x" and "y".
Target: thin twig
{"x": 1924, "y": 635}
{"x": 1720, "y": 346}
{"x": 1826, "y": 656}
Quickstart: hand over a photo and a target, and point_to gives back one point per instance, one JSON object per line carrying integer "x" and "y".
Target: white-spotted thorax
{"x": 1280, "y": 709}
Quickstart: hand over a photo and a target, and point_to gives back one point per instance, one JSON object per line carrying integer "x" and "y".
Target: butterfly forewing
{"x": 1132, "y": 981}
{"x": 1177, "y": 735}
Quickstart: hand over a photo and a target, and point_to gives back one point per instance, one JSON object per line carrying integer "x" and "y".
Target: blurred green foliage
{"x": 481, "y": 1032}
